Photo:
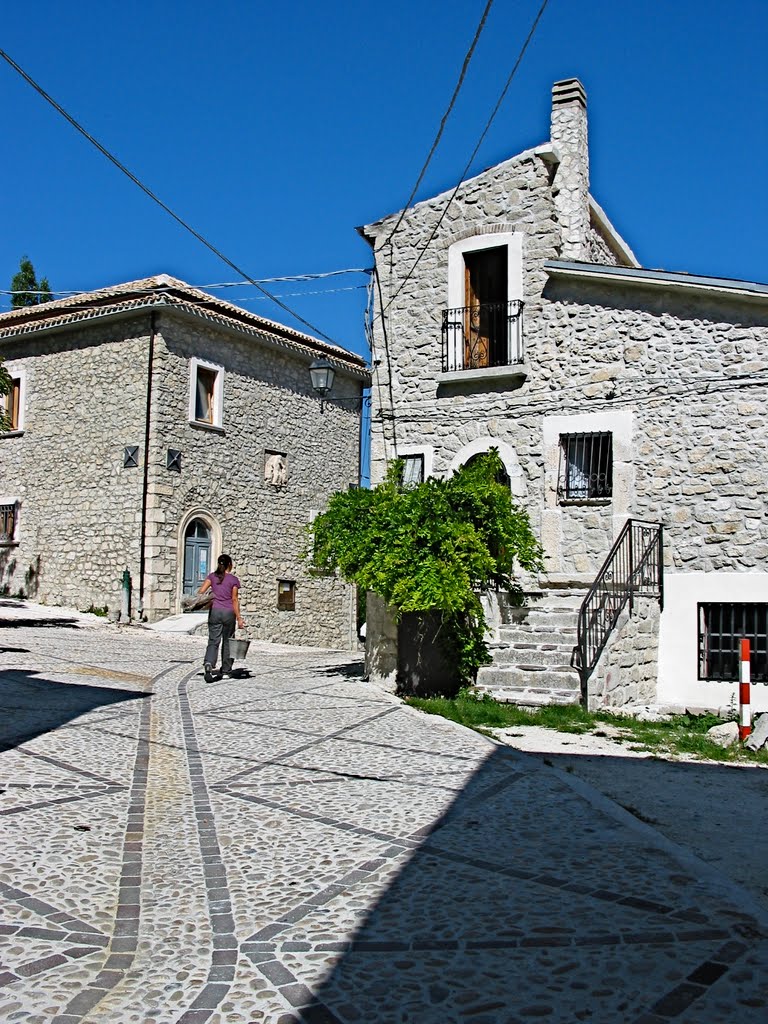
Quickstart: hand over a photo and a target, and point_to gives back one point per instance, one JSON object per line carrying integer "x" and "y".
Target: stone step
{"x": 526, "y": 676}
{"x": 546, "y": 655}
{"x": 543, "y": 618}
{"x": 563, "y": 637}
{"x": 531, "y": 697}
{"x": 570, "y": 600}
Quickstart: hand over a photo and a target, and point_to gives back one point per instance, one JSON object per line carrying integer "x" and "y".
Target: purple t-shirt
{"x": 222, "y": 591}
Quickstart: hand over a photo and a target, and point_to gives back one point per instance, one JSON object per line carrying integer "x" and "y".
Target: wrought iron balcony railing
{"x": 481, "y": 336}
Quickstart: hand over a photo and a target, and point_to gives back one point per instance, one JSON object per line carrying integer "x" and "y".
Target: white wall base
{"x": 678, "y": 638}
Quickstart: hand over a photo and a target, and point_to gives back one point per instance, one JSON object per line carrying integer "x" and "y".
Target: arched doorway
{"x": 197, "y": 555}
{"x": 502, "y": 477}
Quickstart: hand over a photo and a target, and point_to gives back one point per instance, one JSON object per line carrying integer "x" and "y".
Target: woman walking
{"x": 224, "y": 614}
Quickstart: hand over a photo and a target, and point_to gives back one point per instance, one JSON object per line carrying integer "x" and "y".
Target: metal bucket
{"x": 238, "y": 649}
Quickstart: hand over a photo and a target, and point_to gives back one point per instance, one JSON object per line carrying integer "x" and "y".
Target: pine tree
{"x": 27, "y": 290}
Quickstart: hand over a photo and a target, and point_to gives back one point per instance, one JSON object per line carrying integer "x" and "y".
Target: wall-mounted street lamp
{"x": 322, "y": 374}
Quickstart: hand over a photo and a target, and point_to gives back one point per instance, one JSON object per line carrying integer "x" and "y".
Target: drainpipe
{"x": 145, "y": 482}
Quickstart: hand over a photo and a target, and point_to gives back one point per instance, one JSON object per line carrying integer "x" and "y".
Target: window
{"x": 205, "y": 397}
{"x": 721, "y": 627}
{"x": 12, "y": 404}
{"x": 413, "y": 470}
{"x": 586, "y": 467}
{"x": 286, "y": 595}
{"x": 482, "y": 326}
{"x": 9, "y": 521}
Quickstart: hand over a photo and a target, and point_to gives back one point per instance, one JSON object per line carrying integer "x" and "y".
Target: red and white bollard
{"x": 745, "y": 709}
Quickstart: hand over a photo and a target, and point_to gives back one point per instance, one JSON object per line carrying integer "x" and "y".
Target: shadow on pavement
{"x": 523, "y": 902}
{"x": 351, "y": 670}
{"x": 64, "y": 623}
{"x": 32, "y": 705}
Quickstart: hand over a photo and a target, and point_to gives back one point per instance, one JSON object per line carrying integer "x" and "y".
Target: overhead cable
{"x": 472, "y": 157}
{"x": 456, "y": 91}
{"x": 147, "y": 191}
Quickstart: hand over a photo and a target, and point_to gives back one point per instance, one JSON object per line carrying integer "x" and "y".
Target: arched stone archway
{"x": 508, "y": 456}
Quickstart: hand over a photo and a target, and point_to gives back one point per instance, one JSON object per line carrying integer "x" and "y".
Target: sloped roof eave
{"x": 168, "y": 294}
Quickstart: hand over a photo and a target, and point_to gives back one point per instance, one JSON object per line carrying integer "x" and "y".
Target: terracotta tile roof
{"x": 167, "y": 292}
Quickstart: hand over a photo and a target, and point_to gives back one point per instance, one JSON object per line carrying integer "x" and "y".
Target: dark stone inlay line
{"x": 549, "y": 881}
{"x": 125, "y": 930}
{"x": 220, "y": 974}
{"x": 292, "y": 990}
{"x": 307, "y": 746}
{"x": 75, "y": 798}
{"x": 453, "y": 813}
{"x": 344, "y": 826}
{"x": 51, "y": 913}
{"x": 58, "y": 763}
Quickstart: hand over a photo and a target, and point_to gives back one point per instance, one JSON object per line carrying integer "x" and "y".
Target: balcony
{"x": 483, "y": 342}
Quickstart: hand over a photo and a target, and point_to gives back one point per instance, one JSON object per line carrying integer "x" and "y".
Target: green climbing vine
{"x": 434, "y": 548}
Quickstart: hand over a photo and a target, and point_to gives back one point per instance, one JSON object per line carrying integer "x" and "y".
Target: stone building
{"x": 612, "y": 393}
{"x": 154, "y": 426}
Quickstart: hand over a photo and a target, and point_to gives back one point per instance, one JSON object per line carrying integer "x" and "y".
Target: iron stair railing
{"x": 634, "y": 568}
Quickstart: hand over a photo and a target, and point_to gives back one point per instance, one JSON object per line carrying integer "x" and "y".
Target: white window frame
{"x": 457, "y": 299}
{"x": 11, "y": 541}
{"x": 427, "y": 453}
{"x": 19, "y": 374}
{"x": 218, "y": 393}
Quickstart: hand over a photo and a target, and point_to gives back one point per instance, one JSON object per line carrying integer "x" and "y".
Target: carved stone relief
{"x": 276, "y": 469}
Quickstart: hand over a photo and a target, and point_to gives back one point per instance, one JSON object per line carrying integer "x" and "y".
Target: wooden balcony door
{"x": 485, "y": 316}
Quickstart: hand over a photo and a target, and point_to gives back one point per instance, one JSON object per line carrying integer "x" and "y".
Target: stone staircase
{"x": 532, "y": 657}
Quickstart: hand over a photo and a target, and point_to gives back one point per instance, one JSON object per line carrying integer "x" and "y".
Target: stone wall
{"x": 81, "y": 510}
{"x": 266, "y": 409}
{"x": 627, "y": 669}
{"x": 683, "y": 370}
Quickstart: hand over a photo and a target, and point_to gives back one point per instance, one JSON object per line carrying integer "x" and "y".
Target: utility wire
{"x": 121, "y": 167}
{"x": 456, "y": 91}
{"x": 472, "y": 157}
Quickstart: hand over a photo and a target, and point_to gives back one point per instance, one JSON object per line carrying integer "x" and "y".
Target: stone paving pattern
{"x": 299, "y": 848}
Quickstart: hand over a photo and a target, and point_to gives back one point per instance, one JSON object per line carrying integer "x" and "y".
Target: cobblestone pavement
{"x": 299, "y": 848}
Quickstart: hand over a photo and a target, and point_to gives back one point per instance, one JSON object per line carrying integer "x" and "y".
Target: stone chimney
{"x": 571, "y": 183}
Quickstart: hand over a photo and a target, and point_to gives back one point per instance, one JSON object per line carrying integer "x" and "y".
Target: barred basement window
{"x": 286, "y": 595}
{"x": 586, "y": 467}
{"x": 8, "y": 522}
{"x": 721, "y": 627}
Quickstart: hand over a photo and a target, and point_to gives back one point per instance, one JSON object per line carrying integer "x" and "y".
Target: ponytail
{"x": 223, "y": 565}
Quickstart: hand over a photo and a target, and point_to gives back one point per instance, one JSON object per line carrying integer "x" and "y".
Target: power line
{"x": 472, "y": 157}
{"x": 147, "y": 191}
{"x": 456, "y": 91}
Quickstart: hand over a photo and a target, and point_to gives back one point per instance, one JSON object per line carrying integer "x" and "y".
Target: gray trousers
{"x": 221, "y": 628}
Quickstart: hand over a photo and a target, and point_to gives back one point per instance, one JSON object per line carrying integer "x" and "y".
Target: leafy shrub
{"x": 432, "y": 548}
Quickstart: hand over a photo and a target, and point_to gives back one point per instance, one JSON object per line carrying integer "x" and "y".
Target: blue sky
{"x": 276, "y": 129}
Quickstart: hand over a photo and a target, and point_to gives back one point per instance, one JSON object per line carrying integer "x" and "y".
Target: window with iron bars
{"x": 8, "y": 521}
{"x": 721, "y": 627}
{"x": 586, "y": 466}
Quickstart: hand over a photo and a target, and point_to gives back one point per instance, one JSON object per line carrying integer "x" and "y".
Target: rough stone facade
{"x": 80, "y": 509}
{"x": 674, "y": 368}
{"x": 626, "y": 674}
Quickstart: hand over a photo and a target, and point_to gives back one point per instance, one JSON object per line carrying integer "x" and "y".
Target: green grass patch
{"x": 676, "y": 736}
